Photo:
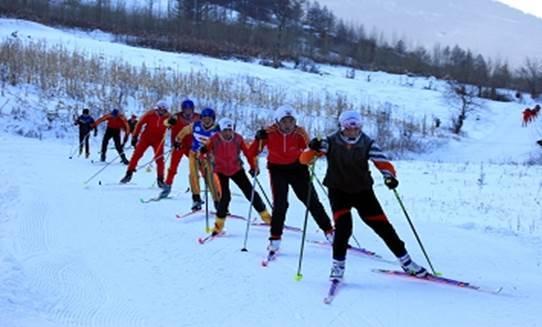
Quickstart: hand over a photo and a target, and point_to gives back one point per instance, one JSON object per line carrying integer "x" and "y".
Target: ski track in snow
{"x": 95, "y": 256}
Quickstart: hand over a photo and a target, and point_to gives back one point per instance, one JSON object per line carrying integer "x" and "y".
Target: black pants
{"x": 115, "y": 134}
{"x": 84, "y": 136}
{"x": 370, "y": 212}
{"x": 240, "y": 178}
{"x": 298, "y": 177}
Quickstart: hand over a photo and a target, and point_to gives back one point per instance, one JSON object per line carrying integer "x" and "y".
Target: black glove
{"x": 319, "y": 145}
{"x": 172, "y": 121}
{"x": 261, "y": 134}
{"x": 177, "y": 145}
{"x": 134, "y": 141}
{"x": 254, "y": 172}
{"x": 203, "y": 150}
{"x": 391, "y": 182}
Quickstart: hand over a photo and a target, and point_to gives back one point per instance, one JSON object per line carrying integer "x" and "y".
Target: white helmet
{"x": 226, "y": 123}
{"x": 162, "y": 104}
{"x": 349, "y": 119}
{"x": 284, "y": 111}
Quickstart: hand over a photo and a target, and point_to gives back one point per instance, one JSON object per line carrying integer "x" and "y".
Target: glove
{"x": 203, "y": 150}
{"x": 134, "y": 141}
{"x": 261, "y": 134}
{"x": 319, "y": 145}
{"x": 391, "y": 182}
{"x": 172, "y": 121}
{"x": 254, "y": 172}
{"x": 177, "y": 145}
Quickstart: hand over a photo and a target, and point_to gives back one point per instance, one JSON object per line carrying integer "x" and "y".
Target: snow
{"x": 93, "y": 255}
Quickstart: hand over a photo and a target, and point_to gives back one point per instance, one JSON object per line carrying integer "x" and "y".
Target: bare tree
{"x": 463, "y": 101}
{"x": 531, "y": 75}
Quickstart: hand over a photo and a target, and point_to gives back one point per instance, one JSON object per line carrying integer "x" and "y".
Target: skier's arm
{"x": 381, "y": 161}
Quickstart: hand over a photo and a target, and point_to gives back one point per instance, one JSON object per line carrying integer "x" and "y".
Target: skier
{"x": 115, "y": 123}
{"x": 349, "y": 183}
{"x": 201, "y": 131}
{"x": 177, "y": 122}
{"x": 86, "y": 123}
{"x": 153, "y": 135}
{"x": 132, "y": 122}
{"x": 225, "y": 148}
{"x": 285, "y": 141}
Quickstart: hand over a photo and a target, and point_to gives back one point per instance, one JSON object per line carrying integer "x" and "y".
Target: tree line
{"x": 274, "y": 31}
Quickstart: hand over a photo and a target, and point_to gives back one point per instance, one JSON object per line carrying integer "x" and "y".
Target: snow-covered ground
{"x": 92, "y": 255}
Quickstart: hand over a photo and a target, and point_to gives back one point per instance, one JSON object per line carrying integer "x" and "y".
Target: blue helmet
{"x": 187, "y": 104}
{"x": 208, "y": 112}
{"x": 115, "y": 112}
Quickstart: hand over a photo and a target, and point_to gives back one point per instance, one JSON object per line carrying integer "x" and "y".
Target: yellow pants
{"x": 203, "y": 166}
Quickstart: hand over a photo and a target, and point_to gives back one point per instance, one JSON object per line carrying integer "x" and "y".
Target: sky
{"x": 533, "y": 7}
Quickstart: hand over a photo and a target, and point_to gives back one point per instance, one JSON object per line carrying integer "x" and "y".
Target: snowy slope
{"x": 492, "y": 125}
{"x": 94, "y": 256}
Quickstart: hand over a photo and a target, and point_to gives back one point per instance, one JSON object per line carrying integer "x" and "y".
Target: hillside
{"x": 91, "y": 254}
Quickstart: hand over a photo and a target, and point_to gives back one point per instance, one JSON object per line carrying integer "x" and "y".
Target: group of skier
{"x": 214, "y": 151}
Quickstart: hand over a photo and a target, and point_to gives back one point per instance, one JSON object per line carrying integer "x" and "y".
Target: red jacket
{"x": 114, "y": 122}
{"x": 154, "y": 125}
{"x": 227, "y": 153}
{"x": 283, "y": 149}
{"x": 181, "y": 123}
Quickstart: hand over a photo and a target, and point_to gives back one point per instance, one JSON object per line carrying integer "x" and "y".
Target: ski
{"x": 210, "y": 237}
{"x": 271, "y": 256}
{"x": 440, "y": 280}
{"x": 184, "y": 215}
{"x": 355, "y": 249}
{"x": 286, "y": 227}
{"x": 332, "y": 291}
{"x": 153, "y": 199}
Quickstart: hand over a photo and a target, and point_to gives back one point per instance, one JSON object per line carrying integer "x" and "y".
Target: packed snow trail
{"x": 96, "y": 256}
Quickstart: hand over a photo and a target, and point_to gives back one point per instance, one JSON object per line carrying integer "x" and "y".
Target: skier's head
{"x": 208, "y": 117}
{"x": 115, "y": 112}
{"x": 187, "y": 108}
{"x": 350, "y": 123}
{"x": 537, "y": 107}
{"x": 161, "y": 107}
{"x": 285, "y": 118}
{"x": 86, "y": 111}
{"x": 133, "y": 116}
{"x": 227, "y": 127}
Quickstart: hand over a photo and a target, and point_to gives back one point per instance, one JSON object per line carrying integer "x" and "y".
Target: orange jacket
{"x": 181, "y": 123}
{"x": 227, "y": 153}
{"x": 114, "y": 122}
{"x": 154, "y": 125}
{"x": 283, "y": 149}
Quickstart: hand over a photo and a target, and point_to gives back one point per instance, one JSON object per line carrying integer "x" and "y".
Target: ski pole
{"x": 264, "y": 194}
{"x": 414, "y": 231}
{"x": 73, "y": 151}
{"x": 153, "y": 159}
{"x": 299, "y": 275}
{"x": 325, "y": 192}
{"x": 100, "y": 170}
{"x": 165, "y": 160}
{"x": 252, "y": 192}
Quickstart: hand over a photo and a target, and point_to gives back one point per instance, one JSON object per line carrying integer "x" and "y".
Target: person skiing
{"x": 285, "y": 141}
{"x": 132, "y": 122}
{"x": 86, "y": 123}
{"x": 225, "y": 148}
{"x": 116, "y": 122}
{"x": 177, "y": 122}
{"x": 349, "y": 184}
{"x": 201, "y": 131}
{"x": 153, "y": 135}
